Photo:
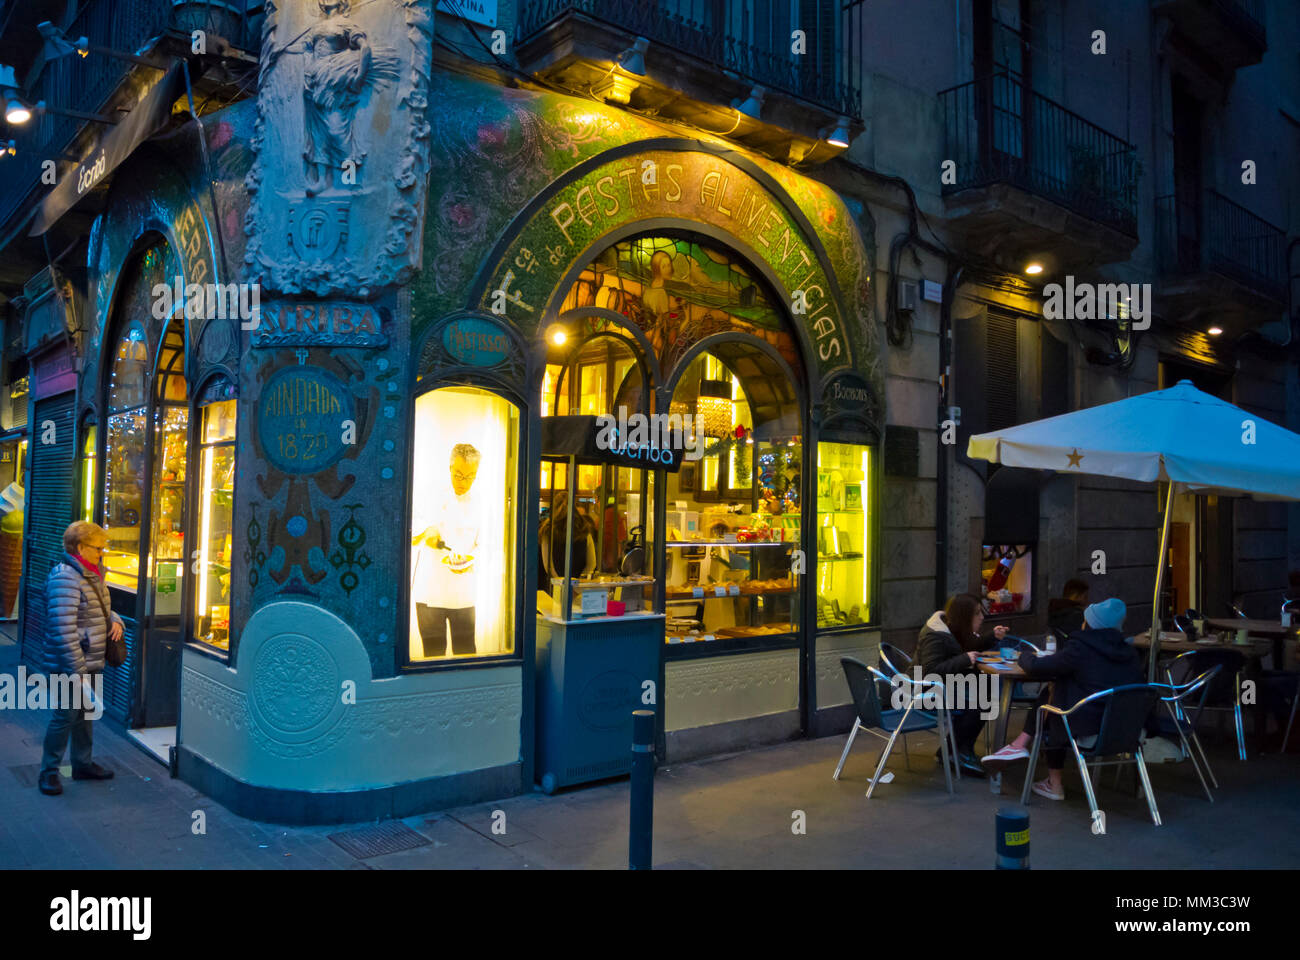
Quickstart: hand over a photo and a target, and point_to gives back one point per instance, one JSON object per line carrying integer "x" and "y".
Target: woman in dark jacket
{"x": 79, "y": 624}
{"x": 948, "y": 645}
{"x": 1097, "y": 658}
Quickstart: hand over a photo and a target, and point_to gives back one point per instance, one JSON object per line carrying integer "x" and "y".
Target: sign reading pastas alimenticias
{"x": 321, "y": 323}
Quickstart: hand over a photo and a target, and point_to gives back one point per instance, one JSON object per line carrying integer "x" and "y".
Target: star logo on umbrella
{"x": 1075, "y": 456}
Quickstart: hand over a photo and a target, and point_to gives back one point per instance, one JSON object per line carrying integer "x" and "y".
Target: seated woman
{"x": 948, "y": 645}
{"x": 1096, "y": 658}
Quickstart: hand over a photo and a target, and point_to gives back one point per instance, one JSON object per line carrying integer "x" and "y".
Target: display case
{"x": 843, "y": 534}
{"x": 602, "y": 596}
{"x": 739, "y": 584}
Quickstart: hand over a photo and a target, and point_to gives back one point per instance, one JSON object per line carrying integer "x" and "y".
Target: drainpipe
{"x": 950, "y": 285}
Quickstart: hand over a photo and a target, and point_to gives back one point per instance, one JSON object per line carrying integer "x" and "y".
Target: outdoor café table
{"x": 1272, "y": 629}
{"x": 1178, "y": 643}
{"x": 1010, "y": 674}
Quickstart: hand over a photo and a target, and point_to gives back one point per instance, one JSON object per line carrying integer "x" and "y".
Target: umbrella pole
{"x": 1160, "y": 577}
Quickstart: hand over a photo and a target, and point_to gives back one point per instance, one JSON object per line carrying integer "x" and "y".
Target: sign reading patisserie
{"x": 477, "y": 342}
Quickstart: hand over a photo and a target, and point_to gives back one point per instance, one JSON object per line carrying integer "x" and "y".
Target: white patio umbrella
{"x": 1181, "y": 435}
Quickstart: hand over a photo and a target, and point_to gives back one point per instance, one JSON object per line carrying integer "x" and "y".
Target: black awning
{"x": 578, "y": 436}
{"x": 114, "y": 146}
{"x": 1011, "y": 506}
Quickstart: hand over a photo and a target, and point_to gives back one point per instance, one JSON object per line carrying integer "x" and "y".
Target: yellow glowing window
{"x": 216, "y": 525}
{"x": 844, "y": 545}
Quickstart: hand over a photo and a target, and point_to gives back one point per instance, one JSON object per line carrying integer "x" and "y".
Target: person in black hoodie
{"x": 1096, "y": 658}
{"x": 948, "y": 645}
{"x": 1065, "y": 613}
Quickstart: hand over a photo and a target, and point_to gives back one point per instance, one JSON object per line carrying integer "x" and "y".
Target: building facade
{"x": 327, "y": 326}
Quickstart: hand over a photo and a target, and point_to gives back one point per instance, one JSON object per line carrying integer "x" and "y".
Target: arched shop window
{"x": 215, "y": 525}
{"x": 124, "y": 458}
{"x": 166, "y": 541}
{"x": 733, "y": 523}
{"x": 601, "y": 372}
{"x": 87, "y": 475}
{"x": 464, "y": 509}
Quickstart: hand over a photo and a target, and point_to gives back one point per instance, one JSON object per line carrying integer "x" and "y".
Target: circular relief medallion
{"x": 295, "y": 686}
{"x": 218, "y": 340}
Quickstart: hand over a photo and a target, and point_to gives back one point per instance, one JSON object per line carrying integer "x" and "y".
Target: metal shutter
{"x": 1001, "y": 370}
{"x": 49, "y": 511}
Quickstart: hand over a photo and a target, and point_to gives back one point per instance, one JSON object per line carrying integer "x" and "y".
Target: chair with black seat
{"x": 1224, "y": 690}
{"x": 1183, "y": 705}
{"x": 1119, "y": 736}
{"x": 862, "y": 681}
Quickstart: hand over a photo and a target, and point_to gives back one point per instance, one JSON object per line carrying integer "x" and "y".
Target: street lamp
{"x": 58, "y": 45}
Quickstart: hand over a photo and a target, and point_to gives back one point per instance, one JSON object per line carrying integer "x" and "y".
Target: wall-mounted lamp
{"x": 632, "y": 60}
{"x": 752, "y": 106}
{"x": 839, "y": 136}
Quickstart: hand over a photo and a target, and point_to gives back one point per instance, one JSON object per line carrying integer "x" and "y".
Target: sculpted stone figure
{"x": 341, "y": 65}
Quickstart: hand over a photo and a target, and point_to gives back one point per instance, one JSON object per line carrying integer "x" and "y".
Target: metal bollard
{"x": 641, "y": 831}
{"x": 1011, "y": 832}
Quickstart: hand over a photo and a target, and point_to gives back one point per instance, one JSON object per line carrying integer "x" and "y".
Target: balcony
{"x": 702, "y": 60}
{"x": 1218, "y": 258}
{"x": 96, "y": 84}
{"x": 1228, "y": 34}
{"x": 1034, "y": 179}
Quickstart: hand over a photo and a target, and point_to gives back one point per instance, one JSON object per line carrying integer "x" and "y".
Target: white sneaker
{"x": 996, "y": 762}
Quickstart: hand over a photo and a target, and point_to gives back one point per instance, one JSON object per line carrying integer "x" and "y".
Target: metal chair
{"x": 1120, "y": 734}
{"x": 862, "y": 681}
{"x": 1183, "y": 724}
{"x": 1224, "y": 692}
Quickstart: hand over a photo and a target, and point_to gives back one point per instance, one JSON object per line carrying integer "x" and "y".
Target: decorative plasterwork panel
{"x": 342, "y": 145}
{"x": 719, "y": 689}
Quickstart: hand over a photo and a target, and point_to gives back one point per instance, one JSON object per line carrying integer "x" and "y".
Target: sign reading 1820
{"x": 300, "y": 418}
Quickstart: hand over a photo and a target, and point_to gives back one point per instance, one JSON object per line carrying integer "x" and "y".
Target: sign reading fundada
{"x": 324, "y": 323}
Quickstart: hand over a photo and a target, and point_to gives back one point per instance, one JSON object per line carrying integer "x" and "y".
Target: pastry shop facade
{"x": 340, "y": 533}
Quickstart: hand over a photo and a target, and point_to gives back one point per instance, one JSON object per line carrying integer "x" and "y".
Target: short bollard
{"x": 1012, "y": 832}
{"x": 641, "y": 834}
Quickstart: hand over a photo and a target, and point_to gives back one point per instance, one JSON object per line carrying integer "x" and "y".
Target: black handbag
{"x": 114, "y": 650}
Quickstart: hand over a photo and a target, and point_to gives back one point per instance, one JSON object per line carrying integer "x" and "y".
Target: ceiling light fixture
{"x": 1215, "y": 331}
{"x": 1034, "y": 269}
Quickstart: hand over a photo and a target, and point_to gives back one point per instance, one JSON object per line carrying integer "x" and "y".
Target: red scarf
{"x": 93, "y": 568}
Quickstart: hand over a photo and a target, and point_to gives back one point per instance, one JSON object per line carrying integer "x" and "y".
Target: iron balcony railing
{"x": 1249, "y": 15}
{"x": 86, "y": 84}
{"x": 998, "y": 130}
{"x": 1218, "y": 235}
{"x": 752, "y": 40}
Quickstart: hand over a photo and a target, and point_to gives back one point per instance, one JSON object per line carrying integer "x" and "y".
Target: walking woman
{"x": 79, "y": 627}
{"x": 949, "y": 643}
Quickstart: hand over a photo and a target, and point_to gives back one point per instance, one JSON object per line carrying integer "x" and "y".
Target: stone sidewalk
{"x": 726, "y": 812}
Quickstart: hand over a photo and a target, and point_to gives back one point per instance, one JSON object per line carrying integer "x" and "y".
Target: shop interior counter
{"x": 591, "y": 674}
